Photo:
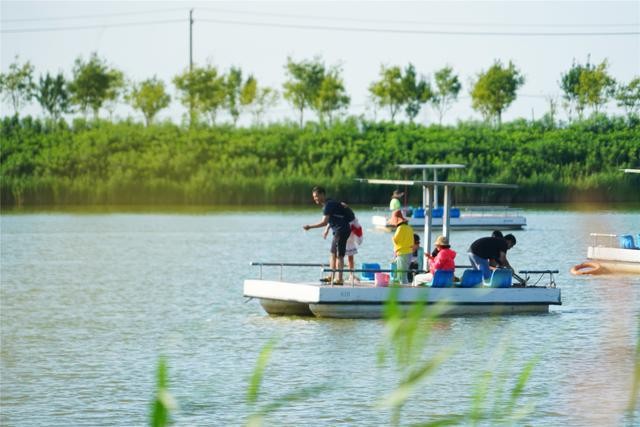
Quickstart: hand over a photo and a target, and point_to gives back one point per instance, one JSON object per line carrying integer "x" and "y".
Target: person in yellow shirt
{"x": 402, "y": 244}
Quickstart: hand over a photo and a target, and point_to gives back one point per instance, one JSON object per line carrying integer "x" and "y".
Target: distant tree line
{"x": 310, "y": 85}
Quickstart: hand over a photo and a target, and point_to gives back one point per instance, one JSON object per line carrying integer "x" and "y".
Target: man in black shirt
{"x": 338, "y": 216}
{"x": 491, "y": 249}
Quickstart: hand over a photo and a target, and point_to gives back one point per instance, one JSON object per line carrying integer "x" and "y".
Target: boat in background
{"x": 469, "y": 217}
{"x": 611, "y": 253}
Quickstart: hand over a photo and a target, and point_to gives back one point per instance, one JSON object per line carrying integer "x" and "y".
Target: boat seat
{"x": 418, "y": 213}
{"x": 471, "y": 278}
{"x": 369, "y": 275}
{"x": 626, "y": 241}
{"x": 442, "y": 279}
{"x": 501, "y": 278}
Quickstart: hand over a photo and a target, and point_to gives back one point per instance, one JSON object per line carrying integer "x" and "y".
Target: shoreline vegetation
{"x": 97, "y": 162}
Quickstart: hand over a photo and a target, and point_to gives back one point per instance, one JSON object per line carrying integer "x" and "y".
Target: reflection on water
{"x": 89, "y": 302}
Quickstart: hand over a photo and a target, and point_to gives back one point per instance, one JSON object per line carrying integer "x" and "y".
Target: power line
{"x": 64, "y": 18}
{"x": 423, "y": 32}
{"x": 325, "y": 17}
{"x": 326, "y": 28}
{"x": 439, "y": 23}
{"x": 89, "y": 27}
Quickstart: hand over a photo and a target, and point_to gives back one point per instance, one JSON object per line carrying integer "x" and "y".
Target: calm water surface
{"x": 90, "y": 301}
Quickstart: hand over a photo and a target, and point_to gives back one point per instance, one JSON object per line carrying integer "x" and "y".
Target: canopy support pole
{"x": 446, "y": 214}
{"x": 427, "y": 219}
{"x": 435, "y": 188}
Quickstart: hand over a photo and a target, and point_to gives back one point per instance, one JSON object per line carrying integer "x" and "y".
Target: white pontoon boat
{"x": 365, "y": 299}
{"x": 612, "y": 253}
{"x": 470, "y": 217}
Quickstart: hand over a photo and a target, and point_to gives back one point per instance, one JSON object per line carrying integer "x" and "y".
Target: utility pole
{"x": 191, "y": 40}
{"x": 191, "y": 114}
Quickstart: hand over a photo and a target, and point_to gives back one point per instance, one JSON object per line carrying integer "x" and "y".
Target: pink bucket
{"x": 381, "y": 279}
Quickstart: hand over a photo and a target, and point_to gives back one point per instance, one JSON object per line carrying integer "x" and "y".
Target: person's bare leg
{"x": 332, "y": 266}
{"x": 339, "y": 267}
{"x": 352, "y": 266}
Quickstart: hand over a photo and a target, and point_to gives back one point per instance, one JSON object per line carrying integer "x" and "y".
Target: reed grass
{"x": 163, "y": 403}
{"x": 497, "y": 398}
{"x": 261, "y": 411}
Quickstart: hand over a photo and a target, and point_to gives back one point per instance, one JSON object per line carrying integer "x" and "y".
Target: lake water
{"x": 90, "y": 301}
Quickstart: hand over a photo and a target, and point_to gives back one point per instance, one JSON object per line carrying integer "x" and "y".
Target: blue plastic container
{"x": 394, "y": 272}
{"x": 369, "y": 266}
{"x": 626, "y": 241}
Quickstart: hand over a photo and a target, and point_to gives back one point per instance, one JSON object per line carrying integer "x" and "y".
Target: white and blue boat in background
{"x": 468, "y": 217}
{"x": 612, "y": 253}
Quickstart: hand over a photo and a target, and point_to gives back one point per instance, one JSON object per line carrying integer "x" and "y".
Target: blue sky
{"x": 150, "y": 38}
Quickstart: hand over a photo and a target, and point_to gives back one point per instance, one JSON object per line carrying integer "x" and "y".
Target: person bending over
{"x": 491, "y": 250}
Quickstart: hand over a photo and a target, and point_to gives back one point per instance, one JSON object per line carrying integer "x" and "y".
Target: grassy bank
{"x": 126, "y": 163}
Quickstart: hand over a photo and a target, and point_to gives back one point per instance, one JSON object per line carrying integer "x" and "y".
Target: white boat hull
{"x": 501, "y": 222}
{"x": 615, "y": 260}
{"x": 367, "y": 301}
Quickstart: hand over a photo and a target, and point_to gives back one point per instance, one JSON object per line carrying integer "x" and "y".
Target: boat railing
{"x": 523, "y": 281}
{"x": 603, "y": 239}
{"x": 324, "y": 268}
{"x": 527, "y": 276}
{"x": 321, "y": 266}
{"x": 490, "y": 209}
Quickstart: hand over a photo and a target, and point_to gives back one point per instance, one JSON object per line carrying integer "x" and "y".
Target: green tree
{"x": 389, "y": 90}
{"x": 52, "y": 95}
{"x": 569, "y": 84}
{"x": 304, "y": 80}
{"x": 595, "y": 87}
{"x": 265, "y": 98}
{"x": 416, "y": 92}
{"x": 239, "y": 93}
{"x": 249, "y": 92}
{"x": 93, "y": 84}
{"x": 202, "y": 91}
{"x": 495, "y": 90}
{"x": 116, "y": 91}
{"x": 331, "y": 96}
{"x": 149, "y": 97}
{"x": 585, "y": 86}
{"x": 17, "y": 86}
{"x": 447, "y": 88}
{"x": 628, "y": 96}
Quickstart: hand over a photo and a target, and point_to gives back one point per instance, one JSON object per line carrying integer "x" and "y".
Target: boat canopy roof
{"x": 435, "y": 183}
{"x": 432, "y": 166}
{"x": 631, "y": 170}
